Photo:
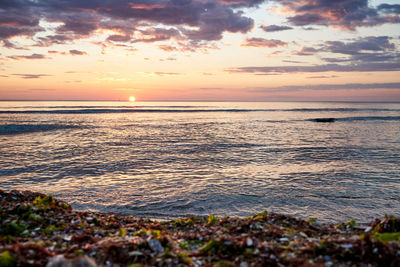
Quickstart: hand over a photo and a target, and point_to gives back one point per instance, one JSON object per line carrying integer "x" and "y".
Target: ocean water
{"x": 172, "y": 159}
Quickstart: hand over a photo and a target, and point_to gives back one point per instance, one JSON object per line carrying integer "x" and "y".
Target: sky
{"x": 207, "y": 50}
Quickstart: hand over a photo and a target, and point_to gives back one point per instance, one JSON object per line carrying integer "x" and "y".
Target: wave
{"x": 99, "y": 111}
{"x": 181, "y": 109}
{"x": 360, "y": 118}
{"x": 342, "y": 110}
{"x": 7, "y": 129}
{"x": 103, "y": 107}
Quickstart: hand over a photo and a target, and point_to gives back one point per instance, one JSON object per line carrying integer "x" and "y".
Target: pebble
{"x": 368, "y": 229}
{"x": 155, "y": 245}
{"x": 346, "y": 246}
{"x": 303, "y": 234}
{"x": 61, "y": 261}
{"x": 284, "y": 239}
{"x": 244, "y": 264}
{"x": 249, "y": 242}
{"x": 135, "y": 253}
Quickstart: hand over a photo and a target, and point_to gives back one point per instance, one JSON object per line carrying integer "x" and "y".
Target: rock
{"x": 61, "y": 261}
{"x": 249, "y": 242}
{"x": 324, "y": 119}
{"x": 155, "y": 245}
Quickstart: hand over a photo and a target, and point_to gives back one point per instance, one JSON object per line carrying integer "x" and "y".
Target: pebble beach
{"x": 39, "y": 230}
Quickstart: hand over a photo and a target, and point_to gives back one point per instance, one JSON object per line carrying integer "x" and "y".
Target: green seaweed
{"x": 122, "y": 232}
{"x": 212, "y": 219}
{"x": 7, "y": 259}
{"x": 183, "y": 257}
{"x": 45, "y": 202}
{"x": 13, "y": 228}
{"x": 183, "y": 222}
{"x": 211, "y": 247}
{"x": 387, "y": 237}
{"x": 351, "y": 224}
{"x": 260, "y": 215}
{"x": 187, "y": 244}
{"x": 312, "y": 220}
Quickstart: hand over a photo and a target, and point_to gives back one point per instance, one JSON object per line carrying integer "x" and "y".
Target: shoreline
{"x": 39, "y": 230}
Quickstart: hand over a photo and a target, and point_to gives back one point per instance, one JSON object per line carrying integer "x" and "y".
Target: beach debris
{"x": 39, "y": 230}
{"x": 61, "y": 261}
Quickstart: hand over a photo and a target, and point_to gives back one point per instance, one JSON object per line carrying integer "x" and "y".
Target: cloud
{"x": 356, "y": 46}
{"x": 347, "y": 14}
{"x": 362, "y": 50}
{"x": 152, "y": 35}
{"x": 8, "y": 44}
{"x": 306, "y": 51}
{"x": 326, "y": 87}
{"x": 75, "y": 52}
{"x": 261, "y": 42}
{"x": 323, "y": 77}
{"x": 16, "y": 22}
{"x": 275, "y": 28}
{"x": 242, "y": 3}
{"x": 41, "y": 89}
{"x": 191, "y": 20}
{"x": 368, "y": 54}
{"x": 363, "y": 67}
{"x": 33, "y": 56}
{"x": 159, "y": 73}
{"x": 30, "y": 76}
{"x": 386, "y": 8}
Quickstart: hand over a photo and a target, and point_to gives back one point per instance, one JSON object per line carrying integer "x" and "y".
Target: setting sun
{"x": 132, "y": 99}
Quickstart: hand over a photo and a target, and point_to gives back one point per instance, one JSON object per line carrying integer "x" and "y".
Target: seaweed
{"x": 37, "y": 229}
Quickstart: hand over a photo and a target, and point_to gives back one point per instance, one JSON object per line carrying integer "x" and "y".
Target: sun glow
{"x": 132, "y": 99}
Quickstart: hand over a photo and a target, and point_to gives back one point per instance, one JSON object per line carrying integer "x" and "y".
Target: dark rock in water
{"x": 61, "y": 261}
{"x": 324, "y": 120}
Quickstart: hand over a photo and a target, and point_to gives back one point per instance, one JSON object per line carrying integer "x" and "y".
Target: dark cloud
{"x": 30, "y": 76}
{"x": 16, "y": 22}
{"x": 306, "y": 51}
{"x": 242, "y": 3}
{"x": 119, "y": 38}
{"x": 326, "y": 87}
{"x": 261, "y": 42}
{"x": 7, "y": 44}
{"x": 372, "y": 49}
{"x": 54, "y": 39}
{"x": 75, "y": 52}
{"x": 348, "y": 14}
{"x": 370, "y": 44}
{"x": 275, "y": 28}
{"x": 33, "y": 56}
{"x": 362, "y": 67}
{"x": 293, "y": 61}
{"x": 157, "y": 34}
{"x": 323, "y": 77}
{"x": 192, "y": 20}
{"x": 394, "y": 9}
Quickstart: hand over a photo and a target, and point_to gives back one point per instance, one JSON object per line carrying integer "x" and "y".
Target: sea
{"x": 333, "y": 161}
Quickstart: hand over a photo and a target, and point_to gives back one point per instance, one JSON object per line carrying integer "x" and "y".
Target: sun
{"x": 132, "y": 99}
